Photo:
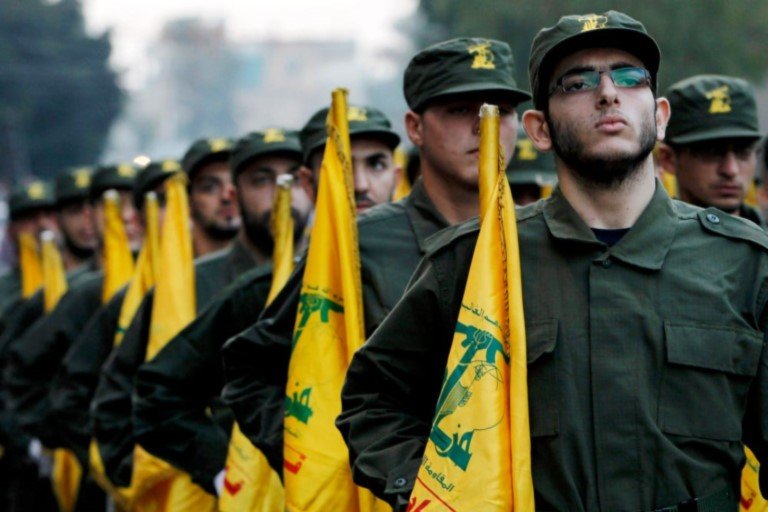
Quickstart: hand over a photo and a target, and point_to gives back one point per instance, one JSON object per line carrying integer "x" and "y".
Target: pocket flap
{"x": 714, "y": 347}
{"x": 541, "y": 338}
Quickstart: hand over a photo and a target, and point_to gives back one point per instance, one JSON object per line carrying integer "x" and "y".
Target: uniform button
{"x": 607, "y": 263}
{"x": 400, "y": 482}
{"x": 714, "y": 219}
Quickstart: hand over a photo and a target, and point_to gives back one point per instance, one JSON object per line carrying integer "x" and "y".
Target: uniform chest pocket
{"x": 706, "y": 378}
{"x": 542, "y": 377}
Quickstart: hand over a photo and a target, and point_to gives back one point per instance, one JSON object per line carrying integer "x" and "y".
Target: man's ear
{"x": 414, "y": 127}
{"x": 667, "y": 158}
{"x": 537, "y": 129}
{"x": 306, "y": 179}
{"x": 663, "y": 113}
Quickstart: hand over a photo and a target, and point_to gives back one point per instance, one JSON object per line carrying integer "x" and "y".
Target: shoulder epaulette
{"x": 735, "y": 228}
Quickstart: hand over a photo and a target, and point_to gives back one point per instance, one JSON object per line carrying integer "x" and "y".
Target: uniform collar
{"x": 645, "y": 245}
{"x": 424, "y": 217}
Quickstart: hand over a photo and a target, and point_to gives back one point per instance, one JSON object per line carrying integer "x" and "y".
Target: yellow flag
{"x": 546, "y": 189}
{"x": 147, "y": 266}
{"x": 174, "y": 302}
{"x": 751, "y": 198}
{"x": 403, "y": 188}
{"x": 329, "y": 328}
{"x": 142, "y": 280}
{"x": 282, "y": 233}
{"x": 670, "y": 183}
{"x": 478, "y": 453}
{"x": 118, "y": 260}
{"x": 66, "y": 469}
{"x": 54, "y": 276}
{"x": 156, "y": 485}
{"x": 751, "y": 499}
{"x": 30, "y": 265}
{"x": 250, "y": 483}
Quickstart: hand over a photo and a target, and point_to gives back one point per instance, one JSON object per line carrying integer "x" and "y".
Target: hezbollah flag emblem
{"x": 478, "y": 453}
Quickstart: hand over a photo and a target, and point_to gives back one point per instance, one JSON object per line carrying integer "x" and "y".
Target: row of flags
{"x": 478, "y": 455}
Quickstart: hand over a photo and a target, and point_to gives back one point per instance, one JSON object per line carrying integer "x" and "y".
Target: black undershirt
{"x": 609, "y": 236}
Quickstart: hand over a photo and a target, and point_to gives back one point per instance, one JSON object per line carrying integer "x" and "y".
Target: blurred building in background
{"x": 202, "y": 84}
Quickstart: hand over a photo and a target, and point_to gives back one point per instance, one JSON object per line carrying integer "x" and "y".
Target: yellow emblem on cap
{"x": 171, "y": 166}
{"x": 126, "y": 170}
{"x": 36, "y": 190}
{"x": 272, "y": 135}
{"x": 82, "y": 178}
{"x": 217, "y": 145}
{"x": 483, "y": 56}
{"x": 357, "y": 114}
{"x": 592, "y": 22}
{"x": 526, "y": 151}
{"x": 720, "y": 100}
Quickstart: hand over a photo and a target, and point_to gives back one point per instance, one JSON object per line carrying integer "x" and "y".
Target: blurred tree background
{"x": 701, "y": 36}
{"x": 58, "y": 95}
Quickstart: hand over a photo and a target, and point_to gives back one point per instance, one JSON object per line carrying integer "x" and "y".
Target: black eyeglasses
{"x": 588, "y": 80}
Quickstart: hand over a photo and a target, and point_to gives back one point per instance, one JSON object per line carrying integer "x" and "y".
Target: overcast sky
{"x": 136, "y": 23}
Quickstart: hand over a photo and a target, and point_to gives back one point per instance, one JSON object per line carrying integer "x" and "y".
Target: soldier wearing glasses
{"x": 645, "y": 316}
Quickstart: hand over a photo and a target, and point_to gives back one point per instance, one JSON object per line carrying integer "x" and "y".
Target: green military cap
{"x": 363, "y": 120}
{"x": 203, "y": 151}
{"x": 466, "y": 64}
{"x": 706, "y": 107}
{"x": 151, "y": 176}
{"x": 576, "y": 32}
{"x": 529, "y": 165}
{"x": 73, "y": 185}
{"x": 33, "y": 196}
{"x": 260, "y": 143}
{"x": 120, "y": 177}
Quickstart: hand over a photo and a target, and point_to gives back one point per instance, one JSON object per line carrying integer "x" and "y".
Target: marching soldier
{"x": 75, "y": 215}
{"x": 711, "y": 143}
{"x": 212, "y": 200}
{"x": 646, "y": 367}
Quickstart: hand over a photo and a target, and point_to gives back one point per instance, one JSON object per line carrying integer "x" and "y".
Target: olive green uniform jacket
{"x": 75, "y": 381}
{"x": 646, "y": 360}
{"x": 10, "y": 287}
{"x": 393, "y": 239}
{"x": 25, "y": 315}
{"x": 175, "y": 389}
{"x": 32, "y": 359}
{"x": 111, "y": 409}
{"x": 19, "y": 314}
